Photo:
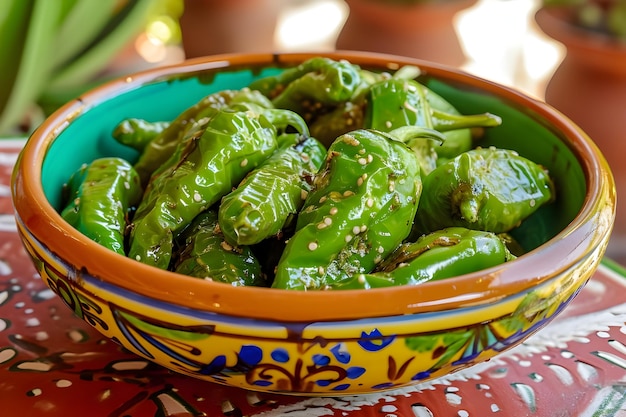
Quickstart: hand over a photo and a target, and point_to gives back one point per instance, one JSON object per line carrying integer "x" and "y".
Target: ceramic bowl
{"x": 315, "y": 342}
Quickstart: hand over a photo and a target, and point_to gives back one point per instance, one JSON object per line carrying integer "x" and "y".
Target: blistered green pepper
{"x": 361, "y": 207}
{"x": 200, "y": 172}
{"x": 315, "y": 83}
{"x": 350, "y": 115}
{"x": 483, "y": 189}
{"x": 99, "y": 196}
{"x": 189, "y": 122}
{"x": 344, "y": 118}
{"x": 205, "y": 254}
{"x": 138, "y": 133}
{"x": 271, "y": 195}
{"x": 442, "y": 254}
{"x": 397, "y": 102}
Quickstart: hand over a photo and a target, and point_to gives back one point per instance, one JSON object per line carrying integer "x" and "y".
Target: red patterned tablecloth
{"x": 54, "y": 364}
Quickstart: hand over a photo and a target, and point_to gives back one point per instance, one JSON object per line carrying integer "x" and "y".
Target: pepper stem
{"x": 407, "y": 133}
{"x": 446, "y": 121}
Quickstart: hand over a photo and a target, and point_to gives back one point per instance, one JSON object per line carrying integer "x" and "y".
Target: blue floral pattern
{"x": 305, "y": 361}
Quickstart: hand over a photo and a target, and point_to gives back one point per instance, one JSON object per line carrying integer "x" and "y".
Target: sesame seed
{"x": 359, "y": 182}
{"x": 348, "y": 238}
{"x": 361, "y": 279}
{"x": 322, "y": 225}
{"x": 356, "y": 230}
{"x": 312, "y": 246}
{"x": 225, "y": 245}
{"x": 363, "y": 228}
{"x": 138, "y": 258}
{"x": 322, "y": 199}
{"x": 402, "y": 264}
{"x": 351, "y": 140}
{"x": 197, "y": 197}
{"x": 388, "y": 124}
{"x": 392, "y": 186}
{"x": 370, "y": 202}
{"x": 303, "y": 194}
{"x": 381, "y": 249}
{"x": 77, "y": 201}
{"x": 533, "y": 202}
{"x": 409, "y": 107}
{"x": 328, "y": 221}
{"x": 127, "y": 185}
{"x": 378, "y": 259}
{"x": 362, "y": 161}
{"x": 333, "y": 211}
{"x": 244, "y": 162}
{"x": 321, "y": 270}
{"x": 348, "y": 193}
{"x": 370, "y": 158}
{"x": 364, "y": 176}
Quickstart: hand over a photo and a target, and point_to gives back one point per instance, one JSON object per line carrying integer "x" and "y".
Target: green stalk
{"x": 81, "y": 26}
{"x": 127, "y": 23}
{"x": 14, "y": 17}
{"x": 34, "y": 62}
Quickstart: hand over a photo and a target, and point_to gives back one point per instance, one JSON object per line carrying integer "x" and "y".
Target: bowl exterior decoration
{"x": 343, "y": 357}
{"x": 313, "y": 342}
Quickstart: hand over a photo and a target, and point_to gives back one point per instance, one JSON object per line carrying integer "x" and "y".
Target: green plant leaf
{"x": 126, "y": 23}
{"x": 34, "y": 61}
{"x": 80, "y": 26}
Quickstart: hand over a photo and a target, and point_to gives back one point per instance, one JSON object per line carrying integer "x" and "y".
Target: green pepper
{"x": 344, "y": 118}
{"x": 193, "y": 119}
{"x": 99, "y": 196}
{"x": 205, "y": 254}
{"x": 483, "y": 189}
{"x": 138, "y": 133}
{"x": 350, "y": 115}
{"x": 361, "y": 207}
{"x": 199, "y": 173}
{"x": 442, "y": 254}
{"x": 317, "y": 82}
{"x": 396, "y": 102}
{"x": 270, "y": 196}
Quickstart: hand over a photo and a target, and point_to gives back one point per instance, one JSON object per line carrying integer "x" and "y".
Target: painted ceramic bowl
{"x": 315, "y": 342}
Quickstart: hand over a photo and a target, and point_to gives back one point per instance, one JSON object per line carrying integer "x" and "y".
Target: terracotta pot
{"x": 216, "y": 26}
{"x": 424, "y": 30}
{"x": 589, "y": 86}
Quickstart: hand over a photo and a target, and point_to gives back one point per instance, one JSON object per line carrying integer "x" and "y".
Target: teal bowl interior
{"x": 89, "y": 135}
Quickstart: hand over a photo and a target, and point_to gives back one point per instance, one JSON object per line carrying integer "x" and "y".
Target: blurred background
{"x": 53, "y": 50}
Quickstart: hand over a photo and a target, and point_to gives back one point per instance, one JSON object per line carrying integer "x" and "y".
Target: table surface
{"x": 54, "y": 364}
